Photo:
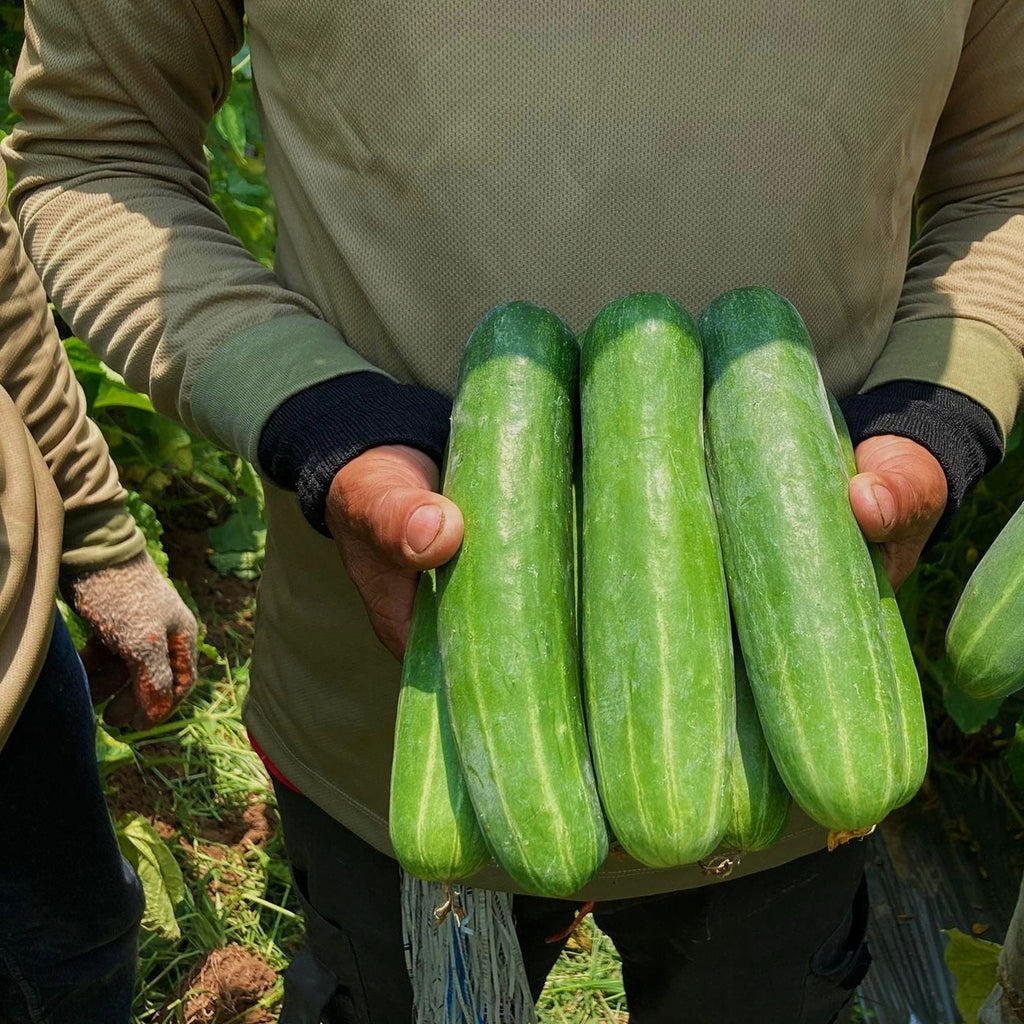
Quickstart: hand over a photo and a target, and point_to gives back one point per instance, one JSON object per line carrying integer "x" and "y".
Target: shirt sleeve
{"x": 35, "y": 373}
{"x": 960, "y": 319}
{"x": 112, "y": 195}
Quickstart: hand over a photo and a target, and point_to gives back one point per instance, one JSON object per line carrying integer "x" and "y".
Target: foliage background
{"x": 194, "y": 807}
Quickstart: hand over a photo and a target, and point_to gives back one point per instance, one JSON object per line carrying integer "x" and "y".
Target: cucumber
{"x": 911, "y": 699}
{"x": 985, "y": 637}
{"x": 657, "y": 651}
{"x": 759, "y": 800}
{"x": 506, "y": 603}
{"x": 800, "y": 577}
{"x": 433, "y": 827}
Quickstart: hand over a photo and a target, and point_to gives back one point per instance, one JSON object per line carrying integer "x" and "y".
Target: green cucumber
{"x": 985, "y": 637}
{"x": 760, "y": 801}
{"x": 433, "y": 827}
{"x": 506, "y": 604}
{"x": 657, "y": 651}
{"x": 801, "y": 581}
{"x": 911, "y": 700}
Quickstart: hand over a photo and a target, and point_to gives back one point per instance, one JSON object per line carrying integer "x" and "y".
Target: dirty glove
{"x": 145, "y": 652}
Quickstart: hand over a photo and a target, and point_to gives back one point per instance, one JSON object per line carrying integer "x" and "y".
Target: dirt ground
{"x": 228, "y": 982}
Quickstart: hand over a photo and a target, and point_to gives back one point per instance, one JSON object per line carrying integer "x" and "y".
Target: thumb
{"x": 899, "y": 491}
{"x": 387, "y": 497}
{"x": 876, "y": 502}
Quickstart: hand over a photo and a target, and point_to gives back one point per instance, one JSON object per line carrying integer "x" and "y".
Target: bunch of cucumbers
{"x": 663, "y": 623}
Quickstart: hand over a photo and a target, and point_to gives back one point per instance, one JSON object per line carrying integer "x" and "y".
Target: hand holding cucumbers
{"x": 389, "y": 523}
{"x": 898, "y": 495}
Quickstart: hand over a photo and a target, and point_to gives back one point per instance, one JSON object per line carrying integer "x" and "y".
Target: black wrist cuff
{"x": 316, "y": 432}
{"x": 959, "y": 432}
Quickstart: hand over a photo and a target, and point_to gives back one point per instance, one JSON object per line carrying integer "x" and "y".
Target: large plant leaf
{"x": 973, "y": 963}
{"x": 158, "y": 871}
{"x": 79, "y": 629}
{"x": 110, "y": 751}
{"x": 104, "y": 388}
{"x": 151, "y": 527}
{"x": 969, "y": 714}
{"x": 239, "y": 543}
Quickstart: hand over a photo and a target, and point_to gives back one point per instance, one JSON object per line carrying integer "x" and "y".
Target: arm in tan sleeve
{"x": 113, "y": 199}
{"x": 35, "y": 373}
{"x": 960, "y": 320}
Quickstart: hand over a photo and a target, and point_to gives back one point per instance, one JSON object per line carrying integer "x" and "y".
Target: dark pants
{"x": 785, "y": 946}
{"x": 70, "y": 904}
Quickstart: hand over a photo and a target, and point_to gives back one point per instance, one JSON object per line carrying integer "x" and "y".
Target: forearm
{"x": 960, "y": 322}
{"x": 112, "y": 195}
{"x": 35, "y": 372}
{"x": 316, "y": 433}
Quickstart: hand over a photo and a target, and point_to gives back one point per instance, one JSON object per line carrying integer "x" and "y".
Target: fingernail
{"x": 886, "y": 504}
{"x": 424, "y": 526}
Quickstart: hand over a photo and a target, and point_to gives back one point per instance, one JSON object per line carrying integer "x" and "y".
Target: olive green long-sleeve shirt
{"x": 431, "y": 158}
{"x": 61, "y": 505}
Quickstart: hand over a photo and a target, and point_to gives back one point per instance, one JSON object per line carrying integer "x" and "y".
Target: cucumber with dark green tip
{"x": 801, "y": 581}
{"x": 506, "y": 606}
{"x": 657, "y": 651}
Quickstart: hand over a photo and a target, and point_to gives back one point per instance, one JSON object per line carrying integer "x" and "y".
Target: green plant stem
{"x": 1003, "y": 795}
{"x": 283, "y": 911}
{"x": 608, "y": 985}
{"x": 177, "y": 725}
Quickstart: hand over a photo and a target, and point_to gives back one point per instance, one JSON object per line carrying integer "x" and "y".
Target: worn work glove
{"x": 145, "y": 651}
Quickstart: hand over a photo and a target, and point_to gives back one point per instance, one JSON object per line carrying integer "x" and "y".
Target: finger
{"x": 876, "y": 505}
{"x": 387, "y": 498}
{"x": 899, "y": 491}
{"x": 387, "y": 592}
{"x": 152, "y": 682}
{"x": 181, "y": 652}
{"x": 897, "y": 498}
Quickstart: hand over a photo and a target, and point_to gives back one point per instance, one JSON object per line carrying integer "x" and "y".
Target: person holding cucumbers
{"x": 432, "y": 160}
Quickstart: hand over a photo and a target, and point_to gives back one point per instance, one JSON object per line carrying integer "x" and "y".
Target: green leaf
{"x": 151, "y": 527}
{"x": 78, "y": 628}
{"x": 973, "y": 963}
{"x": 239, "y": 542}
{"x": 969, "y": 714}
{"x": 158, "y": 871}
{"x": 230, "y": 122}
{"x": 113, "y": 393}
{"x": 1013, "y": 438}
{"x": 110, "y": 751}
{"x": 248, "y": 482}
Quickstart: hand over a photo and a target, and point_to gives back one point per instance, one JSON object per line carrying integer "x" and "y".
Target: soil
{"x": 133, "y": 789}
{"x": 253, "y": 826}
{"x": 225, "y": 604}
{"x": 228, "y": 982}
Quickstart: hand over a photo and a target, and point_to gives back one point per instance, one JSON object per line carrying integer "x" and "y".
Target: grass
{"x": 586, "y": 983}
{"x": 209, "y": 797}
